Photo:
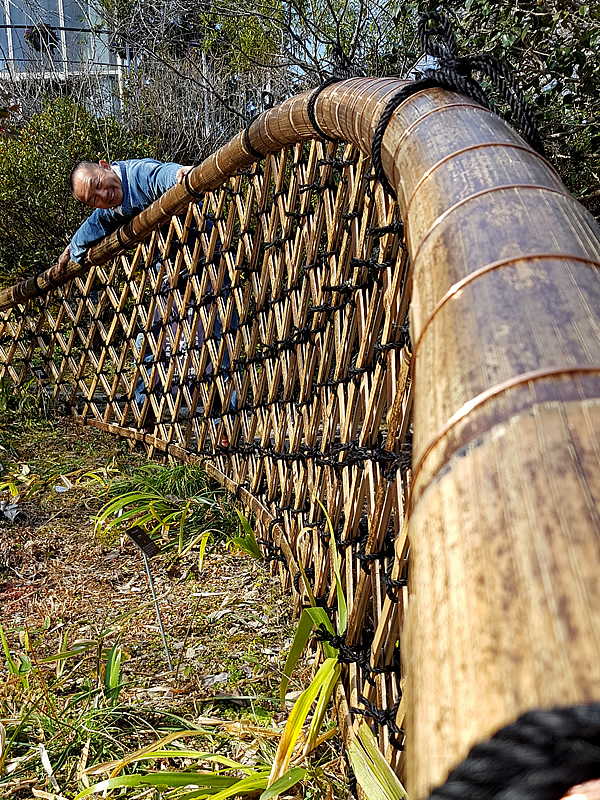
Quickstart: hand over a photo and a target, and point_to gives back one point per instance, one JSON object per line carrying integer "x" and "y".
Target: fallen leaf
{"x": 214, "y": 680}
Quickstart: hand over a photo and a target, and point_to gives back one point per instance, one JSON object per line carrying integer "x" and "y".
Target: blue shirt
{"x": 143, "y": 181}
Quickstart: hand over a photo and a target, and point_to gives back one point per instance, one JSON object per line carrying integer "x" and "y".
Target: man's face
{"x": 98, "y": 188}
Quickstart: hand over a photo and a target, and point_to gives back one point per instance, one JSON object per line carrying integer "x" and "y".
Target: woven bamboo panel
{"x": 264, "y": 329}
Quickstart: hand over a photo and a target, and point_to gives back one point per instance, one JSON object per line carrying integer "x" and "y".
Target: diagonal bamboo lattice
{"x": 265, "y": 329}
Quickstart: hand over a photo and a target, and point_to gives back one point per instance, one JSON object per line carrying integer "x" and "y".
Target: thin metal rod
{"x": 159, "y": 618}
{"x": 56, "y": 28}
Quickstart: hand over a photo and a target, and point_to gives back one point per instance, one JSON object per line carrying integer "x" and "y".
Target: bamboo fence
{"x": 257, "y": 319}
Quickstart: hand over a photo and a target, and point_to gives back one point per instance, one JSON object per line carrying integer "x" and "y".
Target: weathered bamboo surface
{"x": 294, "y": 273}
{"x": 505, "y": 504}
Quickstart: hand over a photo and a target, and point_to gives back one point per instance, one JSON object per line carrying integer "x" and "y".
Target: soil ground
{"x": 228, "y": 625}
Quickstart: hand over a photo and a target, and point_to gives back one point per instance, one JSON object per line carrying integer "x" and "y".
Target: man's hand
{"x": 181, "y": 173}
{"x": 64, "y": 257}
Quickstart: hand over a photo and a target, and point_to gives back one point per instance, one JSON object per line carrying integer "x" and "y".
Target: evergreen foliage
{"x": 37, "y": 212}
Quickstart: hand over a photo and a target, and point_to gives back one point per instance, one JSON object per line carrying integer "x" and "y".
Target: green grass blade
{"x": 307, "y": 586}
{"x": 247, "y": 542}
{"x": 310, "y": 618}
{"x": 316, "y": 724}
{"x": 112, "y": 673}
{"x": 197, "y": 754}
{"x": 297, "y": 718}
{"x": 373, "y": 773}
{"x": 319, "y": 617}
{"x": 12, "y": 667}
{"x": 340, "y": 597}
{"x": 245, "y": 524}
{"x": 253, "y": 783}
{"x": 212, "y": 782}
{"x": 81, "y": 648}
{"x": 283, "y": 784}
{"x": 379, "y": 765}
{"x": 203, "y": 544}
{"x": 301, "y": 637}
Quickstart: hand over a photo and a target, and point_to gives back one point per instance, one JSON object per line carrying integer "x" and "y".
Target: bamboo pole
{"x": 504, "y": 612}
{"x": 273, "y": 130}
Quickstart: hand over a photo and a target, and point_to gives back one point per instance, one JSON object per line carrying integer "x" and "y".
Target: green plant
{"x": 38, "y": 215}
{"x": 373, "y": 773}
{"x": 246, "y": 541}
{"x": 164, "y": 500}
{"x": 113, "y": 675}
{"x": 20, "y": 668}
{"x": 323, "y": 684}
{"x": 215, "y": 784}
{"x": 74, "y": 708}
{"x": 26, "y": 401}
{"x": 21, "y": 483}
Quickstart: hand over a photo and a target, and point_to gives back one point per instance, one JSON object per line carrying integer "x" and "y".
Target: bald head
{"x": 79, "y": 170}
{"x": 96, "y": 185}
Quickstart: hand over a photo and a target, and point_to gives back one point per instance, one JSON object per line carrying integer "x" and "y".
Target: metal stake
{"x": 159, "y": 618}
{"x": 149, "y": 549}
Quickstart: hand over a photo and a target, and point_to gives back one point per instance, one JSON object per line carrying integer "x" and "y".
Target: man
{"x": 116, "y": 192}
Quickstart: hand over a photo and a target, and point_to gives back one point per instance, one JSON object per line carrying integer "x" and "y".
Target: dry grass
{"x": 228, "y": 626}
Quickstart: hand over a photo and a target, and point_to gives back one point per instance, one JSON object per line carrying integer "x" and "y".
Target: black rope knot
{"x": 539, "y": 756}
{"x": 338, "y": 642}
{"x": 454, "y": 73}
{"x": 382, "y": 716}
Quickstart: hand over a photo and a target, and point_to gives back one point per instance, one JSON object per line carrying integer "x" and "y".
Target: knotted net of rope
{"x": 540, "y": 756}
{"x": 455, "y": 73}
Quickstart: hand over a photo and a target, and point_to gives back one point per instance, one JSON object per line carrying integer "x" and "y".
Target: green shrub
{"x": 38, "y": 215}
{"x": 176, "y": 503}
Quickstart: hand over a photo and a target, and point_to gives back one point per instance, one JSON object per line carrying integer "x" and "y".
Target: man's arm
{"x": 148, "y": 179}
{"x": 98, "y": 225}
{"x": 104, "y": 221}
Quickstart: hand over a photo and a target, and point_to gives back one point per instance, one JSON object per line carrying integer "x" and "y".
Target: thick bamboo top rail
{"x": 347, "y": 110}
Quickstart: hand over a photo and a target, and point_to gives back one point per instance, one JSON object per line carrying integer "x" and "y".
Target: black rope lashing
{"x": 353, "y": 654}
{"x": 268, "y": 99}
{"x": 272, "y": 523}
{"x": 391, "y": 583}
{"x": 538, "y": 757}
{"x": 273, "y": 552}
{"x": 354, "y": 453}
{"x": 455, "y": 74}
{"x": 245, "y": 485}
{"x": 310, "y": 107}
{"x": 252, "y": 150}
{"x": 310, "y": 576}
{"x": 189, "y": 190}
{"x": 386, "y": 717}
{"x": 351, "y": 777}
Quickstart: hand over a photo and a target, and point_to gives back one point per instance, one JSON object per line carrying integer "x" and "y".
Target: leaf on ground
{"x": 214, "y": 680}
